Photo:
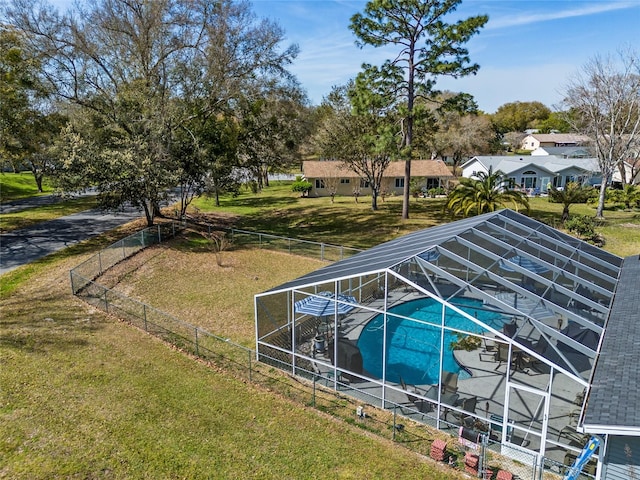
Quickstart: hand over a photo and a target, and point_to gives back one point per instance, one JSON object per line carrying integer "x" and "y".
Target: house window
{"x": 364, "y": 183}
{"x": 432, "y": 183}
{"x": 529, "y": 180}
{"x": 319, "y": 183}
{"x": 399, "y": 182}
{"x": 345, "y": 180}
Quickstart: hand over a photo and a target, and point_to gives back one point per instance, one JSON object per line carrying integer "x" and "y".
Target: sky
{"x": 528, "y": 50}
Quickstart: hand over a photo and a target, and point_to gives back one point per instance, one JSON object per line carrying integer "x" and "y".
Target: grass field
{"x": 279, "y": 210}
{"x": 86, "y": 396}
{"x": 14, "y": 186}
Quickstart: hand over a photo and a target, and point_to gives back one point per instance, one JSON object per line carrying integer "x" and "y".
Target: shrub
{"x": 302, "y": 186}
{"x": 585, "y": 227}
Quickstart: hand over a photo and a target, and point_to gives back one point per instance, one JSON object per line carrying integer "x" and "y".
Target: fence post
{"x": 106, "y": 301}
{"x": 260, "y": 240}
{"x": 289, "y": 241}
{"x": 124, "y": 251}
{"x": 144, "y": 312}
{"x": 322, "y": 251}
{"x": 250, "y": 365}
{"x": 159, "y": 235}
{"x": 196, "y": 337}
{"x": 100, "y": 262}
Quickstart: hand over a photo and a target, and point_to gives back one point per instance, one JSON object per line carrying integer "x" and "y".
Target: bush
{"x": 302, "y": 186}
{"x": 584, "y": 227}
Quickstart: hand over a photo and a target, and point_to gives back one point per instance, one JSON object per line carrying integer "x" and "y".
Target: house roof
{"x": 419, "y": 168}
{"x": 551, "y": 163}
{"x": 617, "y": 371}
{"x": 561, "y": 151}
{"x": 560, "y": 138}
{"x": 571, "y": 272}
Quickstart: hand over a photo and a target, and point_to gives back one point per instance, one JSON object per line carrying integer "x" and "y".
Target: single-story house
{"x": 329, "y": 175}
{"x": 564, "y": 152}
{"x": 632, "y": 173}
{"x": 535, "y": 174}
{"x": 537, "y": 140}
{"x": 550, "y": 326}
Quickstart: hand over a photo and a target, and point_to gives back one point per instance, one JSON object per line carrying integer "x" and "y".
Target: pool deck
{"x": 487, "y": 382}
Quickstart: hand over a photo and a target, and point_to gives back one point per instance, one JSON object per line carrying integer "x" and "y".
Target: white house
{"x": 632, "y": 173}
{"x": 535, "y": 174}
{"x": 564, "y": 152}
{"x": 537, "y": 140}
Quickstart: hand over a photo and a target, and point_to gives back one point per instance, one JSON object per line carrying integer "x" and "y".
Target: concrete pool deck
{"x": 487, "y": 381}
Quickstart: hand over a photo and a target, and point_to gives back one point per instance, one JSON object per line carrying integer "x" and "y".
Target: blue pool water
{"x": 413, "y": 348}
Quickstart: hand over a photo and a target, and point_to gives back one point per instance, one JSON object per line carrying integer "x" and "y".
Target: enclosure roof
{"x": 617, "y": 371}
{"x": 393, "y": 252}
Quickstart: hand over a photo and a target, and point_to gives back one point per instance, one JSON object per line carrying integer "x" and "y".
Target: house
{"x": 536, "y": 173}
{"x": 550, "y": 323}
{"x": 333, "y": 176}
{"x": 564, "y": 152}
{"x": 632, "y": 173}
{"x": 537, "y": 140}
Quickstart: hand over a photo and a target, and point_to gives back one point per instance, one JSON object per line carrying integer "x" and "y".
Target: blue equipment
{"x": 587, "y": 452}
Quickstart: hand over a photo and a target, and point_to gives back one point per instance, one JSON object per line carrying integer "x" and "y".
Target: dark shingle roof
{"x": 614, "y": 404}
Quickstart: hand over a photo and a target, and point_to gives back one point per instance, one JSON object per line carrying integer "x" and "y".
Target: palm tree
{"x": 572, "y": 193}
{"x": 487, "y": 192}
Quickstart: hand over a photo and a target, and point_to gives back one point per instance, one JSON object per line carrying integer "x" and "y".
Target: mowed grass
{"x": 87, "y": 396}
{"x": 220, "y": 298}
{"x": 276, "y": 209}
{"x": 14, "y": 186}
{"x": 26, "y": 218}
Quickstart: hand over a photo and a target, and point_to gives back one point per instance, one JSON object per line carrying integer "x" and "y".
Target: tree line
{"x": 138, "y": 98}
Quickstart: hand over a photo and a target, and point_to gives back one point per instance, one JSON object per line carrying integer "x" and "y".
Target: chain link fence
{"x": 341, "y": 399}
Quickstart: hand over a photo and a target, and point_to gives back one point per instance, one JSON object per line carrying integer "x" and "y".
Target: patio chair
{"x": 449, "y": 382}
{"x": 469, "y": 407}
{"x": 421, "y": 405}
{"x": 509, "y": 329}
{"x": 489, "y": 350}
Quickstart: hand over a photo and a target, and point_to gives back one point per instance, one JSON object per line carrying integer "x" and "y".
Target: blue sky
{"x": 527, "y": 51}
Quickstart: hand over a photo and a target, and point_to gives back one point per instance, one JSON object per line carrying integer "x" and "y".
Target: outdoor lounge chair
{"x": 421, "y": 405}
{"x": 469, "y": 407}
{"x": 449, "y": 382}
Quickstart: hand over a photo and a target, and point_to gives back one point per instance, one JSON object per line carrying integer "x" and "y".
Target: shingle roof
{"x": 560, "y": 137}
{"x": 551, "y": 163}
{"x": 419, "y": 168}
{"x": 614, "y": 404}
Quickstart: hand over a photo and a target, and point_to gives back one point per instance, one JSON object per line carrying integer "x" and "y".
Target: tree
{"x": 136, "y": 69}
{"x": 604, "y": 100}
{"x": 365, "y": 142}
{"x": 429, "y": 47}
{"x": 486, "y": 193}
{"x": 28, "y": 124}
{"x": 271, "y": 131}
{"x": 518, "y": 116}
{"x": 573, "y": 192}
{"x": 460, "y": 136}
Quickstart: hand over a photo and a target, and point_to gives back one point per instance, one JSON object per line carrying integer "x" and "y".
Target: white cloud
{"x": 529, "y": 18}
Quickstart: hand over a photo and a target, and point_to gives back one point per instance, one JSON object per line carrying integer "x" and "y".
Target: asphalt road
{"x": 20, "y": 247}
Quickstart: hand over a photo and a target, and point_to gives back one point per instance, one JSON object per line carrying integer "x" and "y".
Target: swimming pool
{"x": 413, "y": 348}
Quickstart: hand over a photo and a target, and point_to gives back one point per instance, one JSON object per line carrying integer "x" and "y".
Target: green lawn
{"x": 32, "y": 216}
{"x": 279, "y": 210}
{"x": 86, "y": 396}
{"x": 14, "y": 186}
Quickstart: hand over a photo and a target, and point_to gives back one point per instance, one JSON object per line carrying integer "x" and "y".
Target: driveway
{"x": 20, "y": 247}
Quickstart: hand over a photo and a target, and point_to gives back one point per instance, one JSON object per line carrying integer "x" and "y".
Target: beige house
{"x": 537, "y": 140}
{"x": 333, "y": 176}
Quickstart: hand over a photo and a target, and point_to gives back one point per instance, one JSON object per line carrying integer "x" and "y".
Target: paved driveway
{"x": 20, "y": 247}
